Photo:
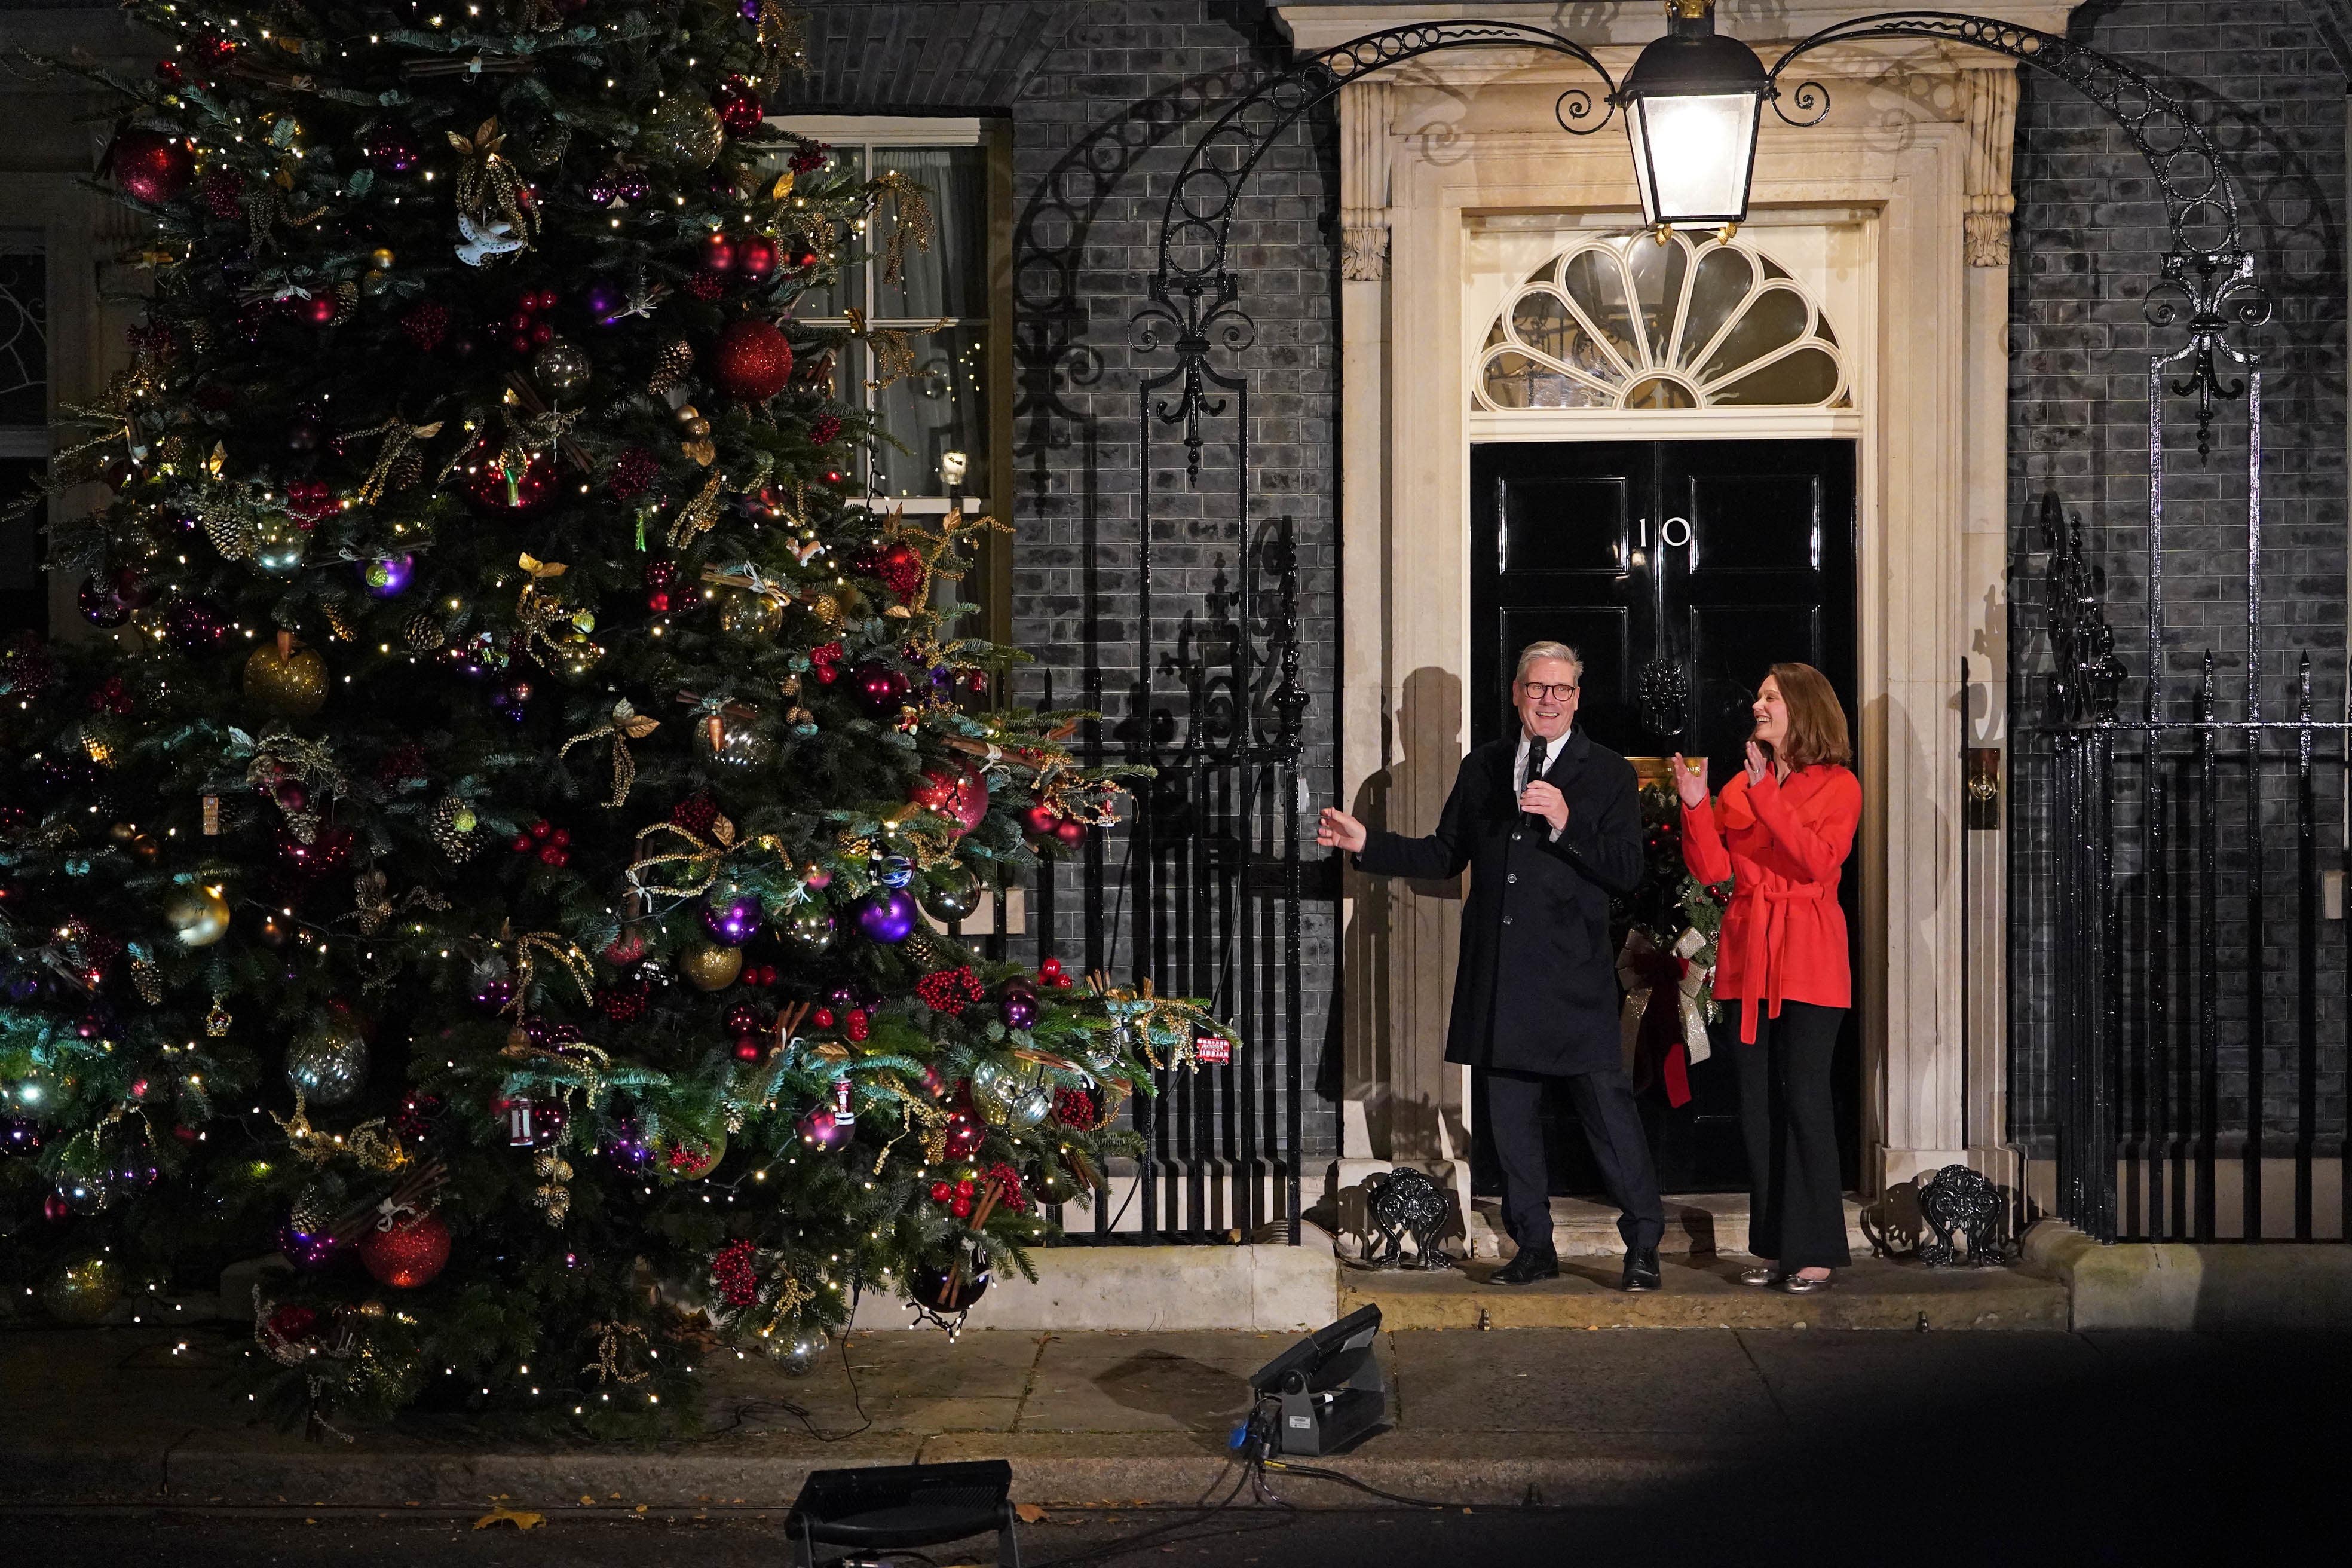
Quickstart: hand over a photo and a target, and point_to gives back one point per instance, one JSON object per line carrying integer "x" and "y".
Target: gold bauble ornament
{"x": 683, "y": 129}
{"x": 197, "y": 915}
{"x": 288, "y": 681}
{"x": 746, "y": 613}
{"x": 84, "y": 1290}
{"x": 707, "y": 966}
{"x": 381, "y": 257}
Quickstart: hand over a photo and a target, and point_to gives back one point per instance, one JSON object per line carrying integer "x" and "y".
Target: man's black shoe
{"x": 1641, "y": 1268}
{"x": 1528, "y": 1268}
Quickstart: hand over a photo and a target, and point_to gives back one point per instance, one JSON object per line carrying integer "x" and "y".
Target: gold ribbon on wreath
{"x": 489, "y": 188}
{"x": 626, "y": 725}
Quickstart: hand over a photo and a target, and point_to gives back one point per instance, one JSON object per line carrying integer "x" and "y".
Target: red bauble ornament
{"x": 747, "y": 1050}
{"x": 1040, "y": 820}
{"x": 740, "y": 110}
{"x": 719, "y": 254}
{"x": 491, "y": 488}
{"x": 963, "y": 1134}
{"x": 881, "y": 689}
{"x": 953, "y": 790}
{"x": 753, "y": 361}
{"x": 150, "y": 166}
{"x": 411, "y": 1254}
{"x": 1071, "y": 832}
{"x": 756, "y": 259}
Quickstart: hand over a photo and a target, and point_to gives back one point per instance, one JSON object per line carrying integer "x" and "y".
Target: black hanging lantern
{"x": 1691, "y": 102}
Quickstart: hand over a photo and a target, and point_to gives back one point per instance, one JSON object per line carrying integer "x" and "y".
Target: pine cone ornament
{"x": 457, "y": 829}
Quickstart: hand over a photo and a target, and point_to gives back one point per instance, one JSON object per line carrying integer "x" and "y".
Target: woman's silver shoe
{"x": 1798, "y": 1285}
{"x": 1760, "y": 1277}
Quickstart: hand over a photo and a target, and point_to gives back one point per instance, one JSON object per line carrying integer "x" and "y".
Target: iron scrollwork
{"x": 2086, "y": 677}
{"x": 2207, "y": 286}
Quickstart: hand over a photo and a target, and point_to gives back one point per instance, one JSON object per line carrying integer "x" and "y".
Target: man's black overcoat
{"x": 1536, "y": 987}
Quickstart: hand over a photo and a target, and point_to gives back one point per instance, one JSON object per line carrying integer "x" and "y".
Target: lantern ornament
{"x": 1692, "y": 101}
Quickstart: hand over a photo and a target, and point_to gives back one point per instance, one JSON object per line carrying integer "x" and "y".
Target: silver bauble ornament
{"x": 809, "y": 929}
{"x": 1029, "y": 1107}
{"x": 329, "y": 1066}
{"x": 955, "y": 897}
{"x": 562, "y": 366}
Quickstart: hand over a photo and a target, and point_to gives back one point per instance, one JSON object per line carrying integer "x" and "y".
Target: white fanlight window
{"x": 1631, "y": 322}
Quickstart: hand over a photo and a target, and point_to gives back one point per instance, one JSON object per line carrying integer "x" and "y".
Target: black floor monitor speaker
{"x": 1327, "y": 1387}
{"x": 894, "y": 1507}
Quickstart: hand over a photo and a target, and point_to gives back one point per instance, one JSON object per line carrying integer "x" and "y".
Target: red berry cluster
{"x": 551, "y": 844}
{"x": 757, "y": 975}
{"x": 1050, "y": 974}
{"x": 426, "y": 325}
{"x": 1007, "y": 1182}
{"x": 1074, "y": 1108}
{"x": 825, "y": 659}
{"x": 951, "y": 991}
{"x": 738, "y": 1283}
{"x": 956, "y": 1195}
{"x": 633, "y": 473}
{"x": 856, "y": 1023}
{"x": 695, "y": 814}
{"x": 528, "y": 329}
{"x": 823, "y": 429}
{"x": 660, "y": 576}
{"x": 898, "y": 567}
{"x": 812, "y": 155}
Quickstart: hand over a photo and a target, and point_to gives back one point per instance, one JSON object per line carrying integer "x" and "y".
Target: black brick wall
{"x": 2089, "y": 242}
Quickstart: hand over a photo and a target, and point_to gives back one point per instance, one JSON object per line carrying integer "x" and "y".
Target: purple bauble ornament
{"x": 101, "y": 606}
{"x": 887, "y": 916}
{"x": 388, "y": 576}
{"x": 601, "y": 191}
{"x": 633, "y": 187}
{"x": 492, "y": 994}
{"x": 732, "y": 920}
{"x": 842, "y": 998}
{"x": 882, "y": 689}
{"x": 820, "y": 1128}
{"x": 194, "y": 625}
{"x": 604, "y": 298}
{"x": 1019, "y": 1007}
{"x": 20, "y": 1135}
{"x": 305, "y": 1250}
{"x": 627, "y": 1148}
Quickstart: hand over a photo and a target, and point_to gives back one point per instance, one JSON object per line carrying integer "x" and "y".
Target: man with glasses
{"x": 1550, "y": 824}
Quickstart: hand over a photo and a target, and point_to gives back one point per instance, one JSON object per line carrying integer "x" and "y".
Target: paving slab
{"x": 1106, "y": 1382}
{"x": 1577, "y": 1380}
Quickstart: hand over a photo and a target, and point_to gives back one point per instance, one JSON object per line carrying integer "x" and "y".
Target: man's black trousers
{"x": 1612, "y": 1127}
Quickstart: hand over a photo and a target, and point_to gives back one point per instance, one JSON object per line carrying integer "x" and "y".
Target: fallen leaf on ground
{"x": 521, "y": 1519}
{"x": 587, "y": 1501}
{"x": 1028, "y": 1513}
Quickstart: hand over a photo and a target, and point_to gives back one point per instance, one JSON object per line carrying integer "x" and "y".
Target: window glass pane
{"x": 23, "y": 336}
{"x": 942, "y": 407}
{"x": 950, "y": 278}
{"x": 1723, "y": 280}
{"x": 1542, "y": 321}
{"x": 1808, "y": 376}
{"x": 1596, "y": 284}
{"x": 1777, "y": 318}
{"x": 1658, "y": 289}
{"x": 1515, "y": 381}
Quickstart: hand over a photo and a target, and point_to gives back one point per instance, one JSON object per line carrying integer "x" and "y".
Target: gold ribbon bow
{"x": 610, "y": 1341}
{"x": 398, "y": 439}
{"x": 701, "y": 856}
{"x": 489, "y": 188}
{"x": 698, "y": 514}
{"x": 566, "y": 957}
{"x": 626, "y": 725}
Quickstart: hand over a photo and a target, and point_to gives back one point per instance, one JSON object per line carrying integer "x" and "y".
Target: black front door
{"x": 1680, "y": 570}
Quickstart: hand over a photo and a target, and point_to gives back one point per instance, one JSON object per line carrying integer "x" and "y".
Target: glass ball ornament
{"x": 291, "y": 684}
{"x": 887, "y": 916}
{"x": 963, "y": 1134}
{"x": 1029, "y": 1107}
{"x": 1018, "y": 1005}
{"x": 102, "y": 604}
{"x": 881, "y": 690}
{"x": 740, "y": 110}
{"x": 279, "y": 544}
{"x": 1052, "y": 1182}
{"x": 820, "y": 1127}
{"x": 84, "y": 1291}
{"x": 757, "y": 259}
{"x": 735, "y": 743}
{"x": 992, "y": 1080}
{"x": 408, "y": 1255}
{"x": 149, "y": 166}
{"x": 197, "y": 914}
{"x": 626, "y": 1146}
{"x": 709, "y": 966}
{"x": 948, "y": 896}
{"x": 329, "y": 1066}
{"x": 745, "y": 613}
{"x": 732, "y": 917}
{"x": 562, "y": 366}
{"x": 387, "y": 576}
{"x": 683, "y": 129}
{"x": 954, "y": 791}
{"x": 894, "y": 871}
{"x": 809, "y": 929}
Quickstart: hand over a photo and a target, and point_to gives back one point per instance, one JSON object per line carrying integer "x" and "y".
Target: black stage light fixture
{"x": 1327, "y": 1387}
{"x": 899, "y": 1507}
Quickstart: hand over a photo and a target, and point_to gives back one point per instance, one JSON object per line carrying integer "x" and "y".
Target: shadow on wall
{"x": 1396, "y": 958}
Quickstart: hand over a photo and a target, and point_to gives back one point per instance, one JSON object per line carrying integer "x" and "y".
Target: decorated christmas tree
{"x": 484, "y": 853}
